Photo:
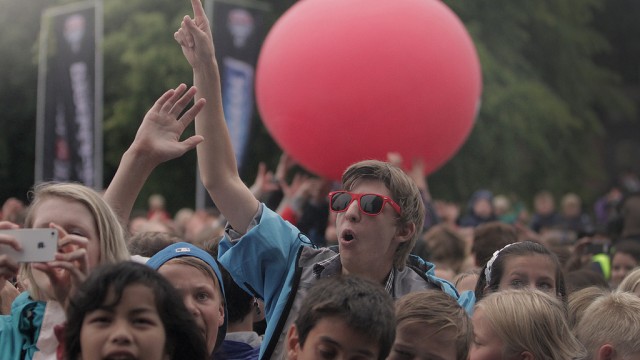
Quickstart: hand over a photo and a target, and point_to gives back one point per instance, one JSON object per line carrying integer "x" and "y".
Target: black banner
{"x": 69, "y": 122}
{"x": 238, "y": 29}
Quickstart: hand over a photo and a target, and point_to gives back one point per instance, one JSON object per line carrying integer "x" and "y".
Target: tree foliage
{"x": 141, "y": 61}
{"x": 18, "y": 88}
{"x": 544, "y": 100}
{"x": 555, "y": 73}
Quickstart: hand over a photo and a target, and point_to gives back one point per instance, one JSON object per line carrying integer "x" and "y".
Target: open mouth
{"x": 347, "y": 236}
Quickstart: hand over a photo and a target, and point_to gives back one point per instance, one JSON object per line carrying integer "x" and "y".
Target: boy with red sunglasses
{"x": 379, "y": 217}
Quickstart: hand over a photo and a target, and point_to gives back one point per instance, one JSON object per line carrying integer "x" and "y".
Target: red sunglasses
{"x": 370, "y": 204}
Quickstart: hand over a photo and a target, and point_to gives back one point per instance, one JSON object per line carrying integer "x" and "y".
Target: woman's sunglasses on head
{"x": 370, "y": 204}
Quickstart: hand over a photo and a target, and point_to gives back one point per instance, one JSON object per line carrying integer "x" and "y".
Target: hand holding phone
{"x": 38, "y": 245}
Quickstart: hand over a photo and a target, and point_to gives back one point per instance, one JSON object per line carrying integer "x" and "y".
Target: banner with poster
{"x": 239, "y": 28}
{"x": 69, "y": 128}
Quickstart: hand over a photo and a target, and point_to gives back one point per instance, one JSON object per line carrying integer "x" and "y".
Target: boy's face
{"x": 331, "y": 338}
{"x": 420, "y": 341}
{"x": 201, "y": 296}
{"x": 368, "y": 242}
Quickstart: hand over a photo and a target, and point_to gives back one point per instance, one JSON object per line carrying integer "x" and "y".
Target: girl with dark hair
{"x": 520, "y": 265}
{"x": 128, "y": 310}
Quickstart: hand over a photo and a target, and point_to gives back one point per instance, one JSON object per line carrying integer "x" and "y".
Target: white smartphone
{"x": 38, "y": 245}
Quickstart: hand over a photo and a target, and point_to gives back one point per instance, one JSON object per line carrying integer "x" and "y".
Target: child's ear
{"x": 527, "y": 356}
{"x": 221, "y": 314}
{"x": 606, "y": 352}
{"x": 293, "y": 344}
{"x": 405, "y": 232}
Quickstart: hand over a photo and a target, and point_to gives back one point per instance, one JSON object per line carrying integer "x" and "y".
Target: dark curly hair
{"x": 184, "y": 340}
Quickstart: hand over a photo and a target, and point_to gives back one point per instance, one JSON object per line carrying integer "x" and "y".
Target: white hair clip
{"x": 487, "y": 270}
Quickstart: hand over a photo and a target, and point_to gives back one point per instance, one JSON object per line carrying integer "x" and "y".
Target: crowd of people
{"x": 298, "y": 267}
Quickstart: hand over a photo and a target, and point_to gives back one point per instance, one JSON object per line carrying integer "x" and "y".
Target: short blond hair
{"x": 611, "y": 319}
{"x": 530, "y": 320}
{"x": 111, "y": 235}
{"x": 438, "y": 311}
{"x": 580, "y": 300}
{"x": 403, "y": 191}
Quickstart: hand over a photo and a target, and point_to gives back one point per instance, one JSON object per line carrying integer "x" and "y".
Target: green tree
{"x": 18, "y": 88}
{"x": 555, "y": 74}
{"x": 141, "y": 61}
{"x": 543, "y": 100}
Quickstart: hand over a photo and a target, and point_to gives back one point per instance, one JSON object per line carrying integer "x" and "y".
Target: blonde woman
{"x": 522, "y": 324}
{"x": 89, "y": 230}
{"x": 89, "y": 235}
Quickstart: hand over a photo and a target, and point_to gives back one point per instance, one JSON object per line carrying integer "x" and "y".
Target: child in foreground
{"x": 431, "y": 325}
{"x": 197, "y": 278}
{"x": 128, "y": 310}
{"x": 523, "y": 324}
{"x": 343, "y": 317}
{"x": 89, "y": 235}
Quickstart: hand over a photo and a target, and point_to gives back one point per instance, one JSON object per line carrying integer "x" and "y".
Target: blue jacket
{"x": 275, "y": 262}
{"x": 19, "y": 331}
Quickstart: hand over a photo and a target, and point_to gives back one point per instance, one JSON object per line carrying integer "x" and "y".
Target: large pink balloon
{"x": 339, "y": 81}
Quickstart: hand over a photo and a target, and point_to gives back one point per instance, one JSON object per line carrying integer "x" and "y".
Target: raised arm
{"x": 157, "y": 141}
{"x": 216, "y": 159}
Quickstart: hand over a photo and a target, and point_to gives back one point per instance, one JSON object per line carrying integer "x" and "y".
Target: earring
{"x": 256, "y": 306}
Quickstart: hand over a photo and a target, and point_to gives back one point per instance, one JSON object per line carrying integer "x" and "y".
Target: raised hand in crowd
{"x": 157, "y": 141}
{"x": 216, "y": 158}
{"x": 264, "y": 183}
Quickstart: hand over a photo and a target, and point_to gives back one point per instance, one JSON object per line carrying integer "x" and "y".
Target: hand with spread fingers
{"x": 158, "y": 137}
{"x": 157, "y": 141}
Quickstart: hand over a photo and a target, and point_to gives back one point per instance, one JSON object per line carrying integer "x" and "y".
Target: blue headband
{"x": 186, "y": 249}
